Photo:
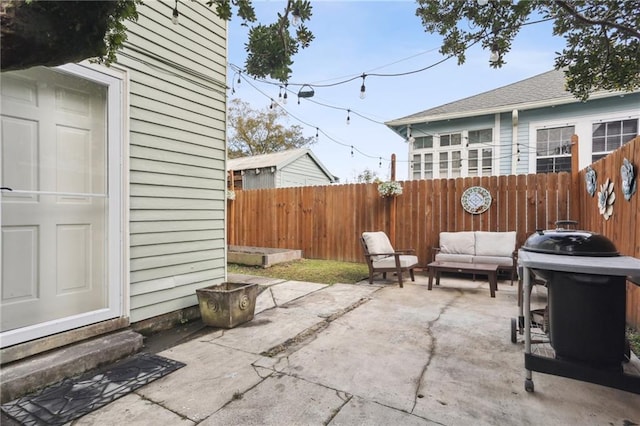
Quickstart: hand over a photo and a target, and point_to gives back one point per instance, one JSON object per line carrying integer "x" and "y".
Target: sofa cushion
{"x": 495, "y": 243}
{"x": 495, "y": 260}
{"x": 406, "y": 261}
{"x": 462, "y": 258}
{"x": 377, "y": 242}
{"x": 457, "y": 242}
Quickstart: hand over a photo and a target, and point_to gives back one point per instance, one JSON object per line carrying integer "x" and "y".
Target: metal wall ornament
{"x": 606, "y": 198}
{"x": 591, "y": 181}
{"x": 476, "y": 200}
{"x": 629, "y": 182}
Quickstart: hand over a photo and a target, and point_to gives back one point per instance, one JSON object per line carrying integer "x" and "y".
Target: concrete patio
{"x": 367, "y": 354}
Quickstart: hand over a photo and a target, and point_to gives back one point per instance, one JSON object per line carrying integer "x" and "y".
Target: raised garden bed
{"x": 261, "y": 256}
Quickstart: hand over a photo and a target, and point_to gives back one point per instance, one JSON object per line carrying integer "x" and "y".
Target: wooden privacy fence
{"x": 325, "y": 222}
{"x": 623, "y": 228}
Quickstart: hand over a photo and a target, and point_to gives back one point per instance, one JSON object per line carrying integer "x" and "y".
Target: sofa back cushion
{"x": 377, "y": 242}
{"x": 499, "y": 244}
{"x": 457, "y": 242}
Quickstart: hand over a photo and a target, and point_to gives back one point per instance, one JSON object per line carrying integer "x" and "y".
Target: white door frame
{"x": 116, "y": 81}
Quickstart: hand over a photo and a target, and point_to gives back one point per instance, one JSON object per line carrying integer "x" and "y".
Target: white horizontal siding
{"x": 177, "y": 155}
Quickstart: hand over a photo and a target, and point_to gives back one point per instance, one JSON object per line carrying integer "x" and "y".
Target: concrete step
{"x": 31, "y": 374}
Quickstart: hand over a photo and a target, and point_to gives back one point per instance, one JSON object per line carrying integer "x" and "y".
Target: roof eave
{"x": 497, "y": 110}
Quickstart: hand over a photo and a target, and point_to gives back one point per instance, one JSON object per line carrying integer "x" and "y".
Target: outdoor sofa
{"x": 498, "y": 248}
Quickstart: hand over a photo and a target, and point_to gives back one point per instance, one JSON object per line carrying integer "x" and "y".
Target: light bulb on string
{"x": 363, "y": 90}
{"x": 272, "y": 104}
{"x": 239, "y": 74}
{"x": 175, "y": 14}
{"x": 317, "y": 135}
{"x": 284, "y": 97}
{"x": 295, "y": 17}
{"x": 348, "y": 117}
{"x": 351, "y": 151}
{"x": 380, "y": 163}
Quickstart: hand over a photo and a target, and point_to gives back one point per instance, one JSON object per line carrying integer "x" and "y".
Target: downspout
{"x": 515, "y": 147}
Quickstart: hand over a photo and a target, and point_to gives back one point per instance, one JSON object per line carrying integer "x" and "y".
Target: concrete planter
{"x": 228, "y": 304}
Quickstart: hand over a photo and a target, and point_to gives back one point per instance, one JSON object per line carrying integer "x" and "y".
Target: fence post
{"x": 574, "y": 191}
{"x": 393, "y": 206}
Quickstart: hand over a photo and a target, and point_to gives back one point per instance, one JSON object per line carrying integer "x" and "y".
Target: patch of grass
{"x": 634, "y": 340}
{"x": 311, "y": 270}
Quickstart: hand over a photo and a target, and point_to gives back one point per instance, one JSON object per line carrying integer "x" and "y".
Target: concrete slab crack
{"x": 432, "y": 349}
{"x": 310, "y": 333}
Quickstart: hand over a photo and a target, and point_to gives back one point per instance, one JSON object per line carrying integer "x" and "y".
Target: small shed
{"x": 296, "y": 167}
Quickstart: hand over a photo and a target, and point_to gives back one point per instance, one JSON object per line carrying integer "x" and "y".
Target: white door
{"x": 55, "y": 243}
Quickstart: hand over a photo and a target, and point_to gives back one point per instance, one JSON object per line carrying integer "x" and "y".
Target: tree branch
{"x": 573, "y": 12}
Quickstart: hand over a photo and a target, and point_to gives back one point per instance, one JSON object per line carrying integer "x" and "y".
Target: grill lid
{"x": 570, "y": 242}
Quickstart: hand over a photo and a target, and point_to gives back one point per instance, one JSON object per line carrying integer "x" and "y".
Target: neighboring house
{"x": 118, "y": 176}
{"x": 524, "y": 127}
{"x": 296, "y": 167}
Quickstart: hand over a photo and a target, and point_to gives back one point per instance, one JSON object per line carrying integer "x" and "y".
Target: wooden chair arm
{"x": 434, "y": 251}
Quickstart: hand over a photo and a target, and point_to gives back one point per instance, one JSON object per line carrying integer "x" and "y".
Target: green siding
{"x": 302, "y": 172}
{"x": 177, "y": 101}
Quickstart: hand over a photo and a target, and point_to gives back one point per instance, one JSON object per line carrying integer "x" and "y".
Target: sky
{"x": 356, "y": 37}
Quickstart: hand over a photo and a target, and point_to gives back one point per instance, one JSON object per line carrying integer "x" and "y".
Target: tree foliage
{"x": 255, "y": 132}
{"x": 57, "y": 32}
{"x": 367, "y": 176}
{"x": 602, "y": 36}
{"x": 40, "y": 32}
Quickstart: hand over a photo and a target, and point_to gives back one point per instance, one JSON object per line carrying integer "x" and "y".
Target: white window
{"x": 480, "y": 152}
{"x": 422, "y": 165}
{"x": 611, "y": 135}
{"x": 450, "y": 165}
{"x": 416, "y": 163}
{"x": 422, "y": 142}
{"x": 553, "y": 148}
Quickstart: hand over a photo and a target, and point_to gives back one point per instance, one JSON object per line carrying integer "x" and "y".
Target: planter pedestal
{"x": 228, "y": 304}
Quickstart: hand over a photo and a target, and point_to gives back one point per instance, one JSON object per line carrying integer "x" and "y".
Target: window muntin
{"x": 611, "y": 135}
{"x": 451, "y": 139}
{"x": 416, "y": 163}
{"x": 553, "y": 148}
{"x": 422, "y": 142}
{"x": 481, "y": 136}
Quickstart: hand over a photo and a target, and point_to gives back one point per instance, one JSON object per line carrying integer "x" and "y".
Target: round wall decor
{"x": 476, "y": 200}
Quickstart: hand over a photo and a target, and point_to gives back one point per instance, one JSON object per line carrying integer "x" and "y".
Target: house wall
{"x": 265, "y": 179}
{"x": 582, "y": 116}
{"x": 302, "y": 172}
{"x": 507, "y": 160}
{"x": 177, "y": 155}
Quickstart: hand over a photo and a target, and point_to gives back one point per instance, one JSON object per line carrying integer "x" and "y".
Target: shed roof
{"x": 539, "y": 91}
{"x": 278, "y": 160}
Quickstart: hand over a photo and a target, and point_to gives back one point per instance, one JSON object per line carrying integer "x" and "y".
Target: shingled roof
{"x": 535, "y": 92}
{"x": 277, "y": 160}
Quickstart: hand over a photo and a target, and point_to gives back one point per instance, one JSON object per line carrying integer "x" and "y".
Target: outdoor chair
{"x": 381, "y": 257}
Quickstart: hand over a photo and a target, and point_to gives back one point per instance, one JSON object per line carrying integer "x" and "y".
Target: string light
{"x": 175, "y": 14}
{"x": 295, "y": 17}
{"x": 348, "y": 117}
{"x": 284, "y": 97}
{"x": 351, "y": 151}
{"x": 363, "y": 89}
{"x": 380, "y": 163}
{"x": 317, "y": 137}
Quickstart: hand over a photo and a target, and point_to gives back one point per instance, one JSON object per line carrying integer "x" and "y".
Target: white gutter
{"x": 498, "y": 110}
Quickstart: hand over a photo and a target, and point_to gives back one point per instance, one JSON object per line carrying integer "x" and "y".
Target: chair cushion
{"x": 495, "y": 243}
{"x": 495, "y": 260}
{"x": 447, "y": 257}
{"x": 406, "y": 261}
{"x": 377, "y": 242}
{"x": 458, "y": 242}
